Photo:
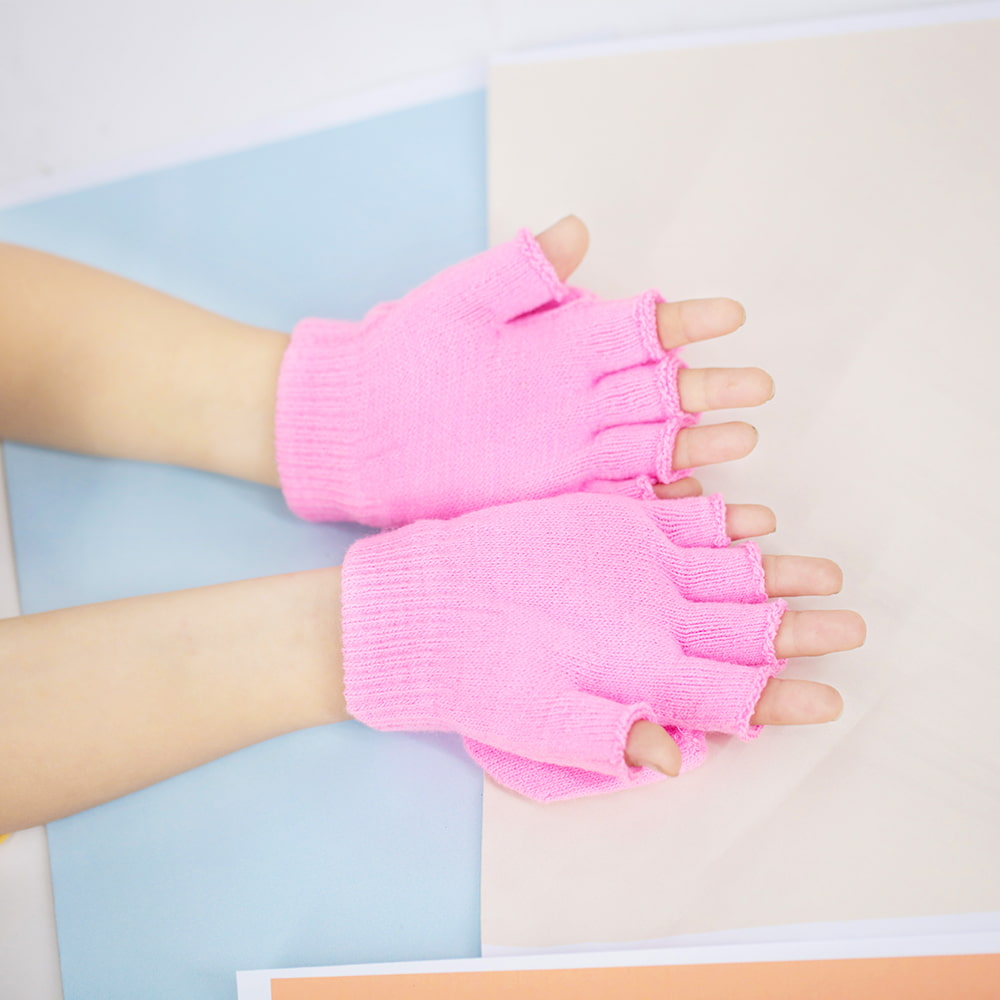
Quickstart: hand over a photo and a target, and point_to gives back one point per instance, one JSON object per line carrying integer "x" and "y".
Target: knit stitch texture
{"x": 543, "y": 630}
{"x": 492, "y": 382}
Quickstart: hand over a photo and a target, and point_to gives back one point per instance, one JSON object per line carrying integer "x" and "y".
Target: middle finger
{"x": 719, "y": 388}
{"x": 795, "y": 576}
{"x": 696, "y": 446}
{"x": 814, "y": 633}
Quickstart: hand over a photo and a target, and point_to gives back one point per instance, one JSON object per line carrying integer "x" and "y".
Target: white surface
{"x": 957, "y": 929}
{"x": 92, "y": 91}
{"x": 256, "y": 985}
{"x": 843, "y": 186}
{"x": 29, "y": 957}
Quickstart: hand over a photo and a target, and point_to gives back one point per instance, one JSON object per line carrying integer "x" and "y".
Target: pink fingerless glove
{"x": 542, "y": 631}
{"x": 492, "y": 382}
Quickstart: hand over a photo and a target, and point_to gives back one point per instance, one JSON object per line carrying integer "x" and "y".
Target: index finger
{"x": 689, "y": 320}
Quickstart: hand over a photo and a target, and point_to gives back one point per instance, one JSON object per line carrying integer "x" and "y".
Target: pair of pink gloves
{"x": 556, "y": 602}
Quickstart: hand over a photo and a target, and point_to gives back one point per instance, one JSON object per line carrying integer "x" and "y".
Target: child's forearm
{"x": 101, "y": 700}
{"x": 95, "y": 363}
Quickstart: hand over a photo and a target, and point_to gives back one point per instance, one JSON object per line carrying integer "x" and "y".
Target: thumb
{"x": 565, "y": 244}
{"x": 649, "y": 745}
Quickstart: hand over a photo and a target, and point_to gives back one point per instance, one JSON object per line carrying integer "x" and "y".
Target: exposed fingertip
{"x": 669, "y": 772}
{"x": 567, "y": 220}
{"x": 668, "y": 761}
{"x": 688, "y": 487}
{"x": 580, "y": 231}
{"x": 749, "y": 520}
{"x": 650, "y": 745}
{"x": 750, "y": 436}
{"x": 758, "y": 386}
{"x": 862, "y": 627}
{"x": 839, "y": 705}
{"x": 766, "y": 383}
{"x": 832, "y": 578}
{"x": 822, "y": 703}
{"x": 842, "y": 626}
{"x": 564, "y": 243}
{"x": 710, "y": 443}
{"x": 797, "y": 703}
{"x": 730, "y": 314}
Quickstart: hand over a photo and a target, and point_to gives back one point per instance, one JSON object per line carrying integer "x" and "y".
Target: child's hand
{"x": 495, "y": 382}
{"x": 561, "y": 636}
{"x": 428, "y": 408}
{"x": 678, "y": 323}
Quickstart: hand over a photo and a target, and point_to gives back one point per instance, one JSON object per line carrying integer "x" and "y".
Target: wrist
{"x": 392, "y": 635}
{"x": 321, "y": 406}
{"x": 239, "y": 404}
{"x": 316, "y": 644}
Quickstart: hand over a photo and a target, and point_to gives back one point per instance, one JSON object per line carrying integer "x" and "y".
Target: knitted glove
{"x": 543, "y": 630}
{"x": 492, "y": 382}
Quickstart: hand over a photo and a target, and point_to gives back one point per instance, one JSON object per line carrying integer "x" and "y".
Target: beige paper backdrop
{"x": 847, "y": 190}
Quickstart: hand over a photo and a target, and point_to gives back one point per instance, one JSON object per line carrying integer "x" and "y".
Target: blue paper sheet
{"x": 333, "y": 845}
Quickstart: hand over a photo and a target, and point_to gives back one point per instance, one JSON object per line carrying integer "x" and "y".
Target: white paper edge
{"x": 256, "y": 985}
{"x": 813, "y": 28}
{"x": 29, "y": 951}
{"x": 288, "y": 125}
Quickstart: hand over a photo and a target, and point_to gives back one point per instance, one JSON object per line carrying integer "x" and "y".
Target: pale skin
{"x": 102, "y": 700}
